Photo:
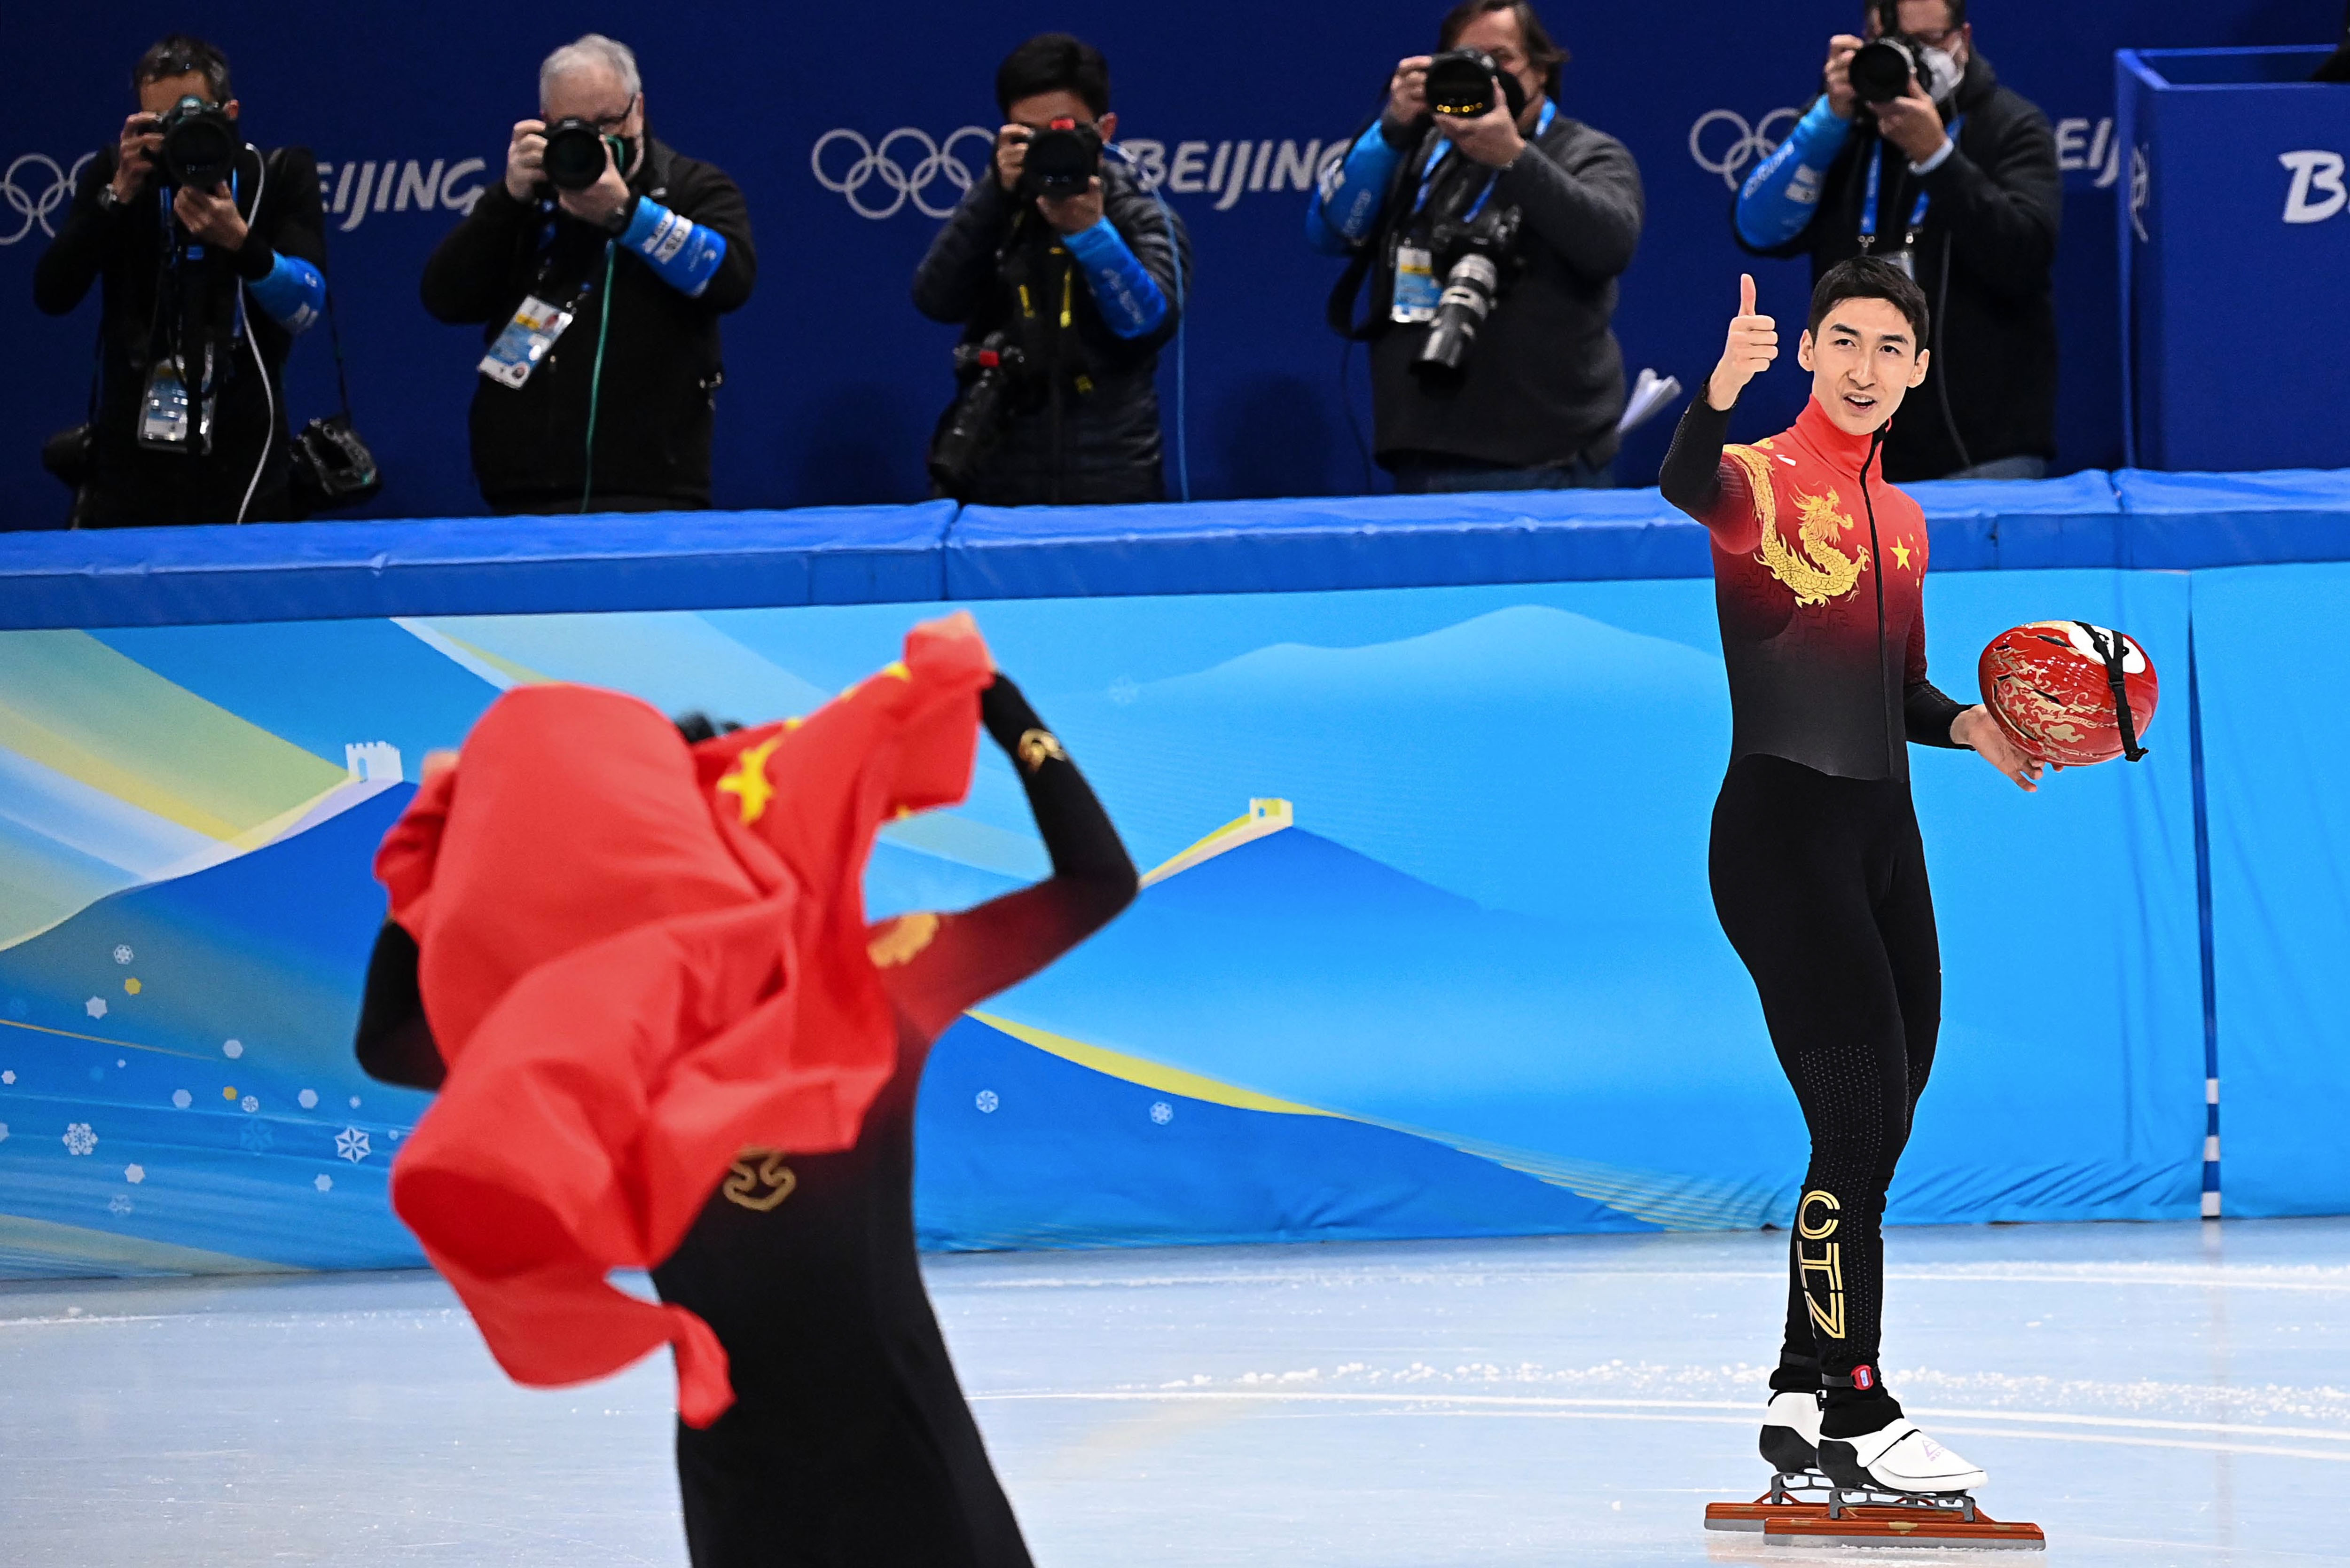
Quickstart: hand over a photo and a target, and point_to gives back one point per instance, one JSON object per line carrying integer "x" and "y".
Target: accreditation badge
{"x": 1417, "y": 290}
{"x": 524, "y": 342}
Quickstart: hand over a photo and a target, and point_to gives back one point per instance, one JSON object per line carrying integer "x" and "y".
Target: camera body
{"x": 200, "y": 143}
{"x": 1478, "y": 255}
{"x": 575, "y": 158}
{"x": 1461, "y": 85}
{"x": 1061, "y": 161}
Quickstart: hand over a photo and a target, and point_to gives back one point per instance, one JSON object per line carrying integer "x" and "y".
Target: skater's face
{"x": 1862, "y": 359}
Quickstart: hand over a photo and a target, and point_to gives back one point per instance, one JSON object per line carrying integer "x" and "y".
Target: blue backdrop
{"x": 833, "y": 379}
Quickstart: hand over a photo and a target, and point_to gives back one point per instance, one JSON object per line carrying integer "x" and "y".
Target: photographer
{"x": 208, "y": 253}
{"x": 1493, "y": 229}
{"x": 1068, "y": 277}
{"x": 599, "y": 268}
{"x": 1914, "y": 152}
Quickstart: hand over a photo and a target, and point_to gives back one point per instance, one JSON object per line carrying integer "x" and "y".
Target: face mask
{"x": 1939, "y": 72}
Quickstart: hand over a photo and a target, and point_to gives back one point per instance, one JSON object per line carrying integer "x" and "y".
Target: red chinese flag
{"x": 639, "y": 959}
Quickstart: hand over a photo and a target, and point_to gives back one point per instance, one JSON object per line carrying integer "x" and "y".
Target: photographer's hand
{"x": 1407, "y": 94}
{"x": 525, "y": 152}
{"x": 1491, "y": 138}
{"x": 135, "y": 156}
{"x": 1011, "y": 154}
{"x": 1912, "y": 123}
{"x": 210, "y": 216}
{"x": 1753, "y": 344}
{"x": 1074, "y": 214}
{"x": 1842, "y": 100}
{"x": 602, "y": 203}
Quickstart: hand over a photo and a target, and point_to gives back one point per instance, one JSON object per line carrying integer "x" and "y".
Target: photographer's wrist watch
{"x": 108, "y": 201}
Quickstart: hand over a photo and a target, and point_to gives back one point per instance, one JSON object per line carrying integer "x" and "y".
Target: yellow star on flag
{"x": 748, "y": 780}
{"x": 1901, "y": 556}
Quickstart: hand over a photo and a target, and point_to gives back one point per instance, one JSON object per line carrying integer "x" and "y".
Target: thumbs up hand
{"x": 1753, "y": 344}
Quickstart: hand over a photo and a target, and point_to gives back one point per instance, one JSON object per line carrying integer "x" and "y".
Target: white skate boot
{"x": 1897, "y": 1458}
{"x": 1790, "y": 1433}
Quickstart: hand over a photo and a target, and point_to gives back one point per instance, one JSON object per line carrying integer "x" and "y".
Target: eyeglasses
{"x": 610, "y": 124}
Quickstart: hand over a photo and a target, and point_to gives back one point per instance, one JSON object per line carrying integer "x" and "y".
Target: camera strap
{"x": 1876, "y": 178}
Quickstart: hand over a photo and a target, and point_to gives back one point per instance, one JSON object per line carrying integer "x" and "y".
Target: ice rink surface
{"x": 2150, "y": 1394}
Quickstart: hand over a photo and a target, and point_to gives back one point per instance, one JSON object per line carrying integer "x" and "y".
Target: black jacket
{"x": 1986, "y": 257}
{"x": 661, "y": 366}
{"x": 1545, "y": 377}
{"x": 1084, "y": 425}
{"x": 124, "y": 250}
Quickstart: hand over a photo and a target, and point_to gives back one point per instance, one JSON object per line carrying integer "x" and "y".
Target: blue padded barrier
{"x": 472, "y": 565}
{"x": 158, "y": 576}
{"x": 2180, "y": 521}
{"x": 1270, "y": 546}
{"x": 1429, "y": 541}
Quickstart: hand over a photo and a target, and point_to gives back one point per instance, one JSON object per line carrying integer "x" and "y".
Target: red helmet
{"x": 2058, "y": 689}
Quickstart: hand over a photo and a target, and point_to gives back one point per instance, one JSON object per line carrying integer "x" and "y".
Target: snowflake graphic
{"x": 354, "y": 1102}
{"x": 1123, "y": 691}
{"x": 95, "y": 1007}
{"x": 352, "y": 1145}
{"x": 308, "y": 1098}
{"x": 4, "y": 1132}
{"x": 181, "y": 1098}
{"x": 1162, "y": 1112}
{"x": 986, "y": 1101}
{"x": 120, "y": 1203}
{"x": 134, "y": 1174}
{"x": 79, "y": 1138}
{"x": 133, "y": 986}
{"x": 122, "y": 955}
{"x": 250, "y": 1104}
{"x": 232, "y": 1049}
{"x": 254, "y": 1137}
{"x": 9, "y": 1077}
{"x": 323, "y": 1182}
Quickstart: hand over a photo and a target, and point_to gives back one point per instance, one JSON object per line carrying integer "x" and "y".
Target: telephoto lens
{"x": 1061, "y": 161}
{"x": 1460, "y": 83}
{"x": 575, "y": 156}
{"x": 1461, "y": 310}
{"x": 200, "y": 143}
{"x": 977, "y": 419}
{"x": 1881, "y": 70}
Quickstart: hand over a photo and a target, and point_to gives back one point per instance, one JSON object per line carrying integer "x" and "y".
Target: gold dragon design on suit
{"x": 1813, "y": 569}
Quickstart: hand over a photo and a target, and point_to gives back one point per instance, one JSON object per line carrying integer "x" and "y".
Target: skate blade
{"x": 1783, "y": 1521}
{"x": 1897, "y": 1527}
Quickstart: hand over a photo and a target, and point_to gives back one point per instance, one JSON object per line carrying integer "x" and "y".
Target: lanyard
{"x": 1435, "y": 159}
{"x": 1917, "y": 214}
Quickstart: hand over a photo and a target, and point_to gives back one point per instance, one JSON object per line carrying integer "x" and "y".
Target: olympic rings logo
{"x": 906, "y": 162}
{"x": 35, "y": 205}
{"x": 1751, "y": 143}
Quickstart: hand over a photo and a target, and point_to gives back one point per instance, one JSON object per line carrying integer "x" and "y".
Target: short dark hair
{"x": 1054, "y": 62}
{"x": 1870, "y": 277}
{"x": 1545, "y": 53}
{"x": 177, "y": 53}
{"x": 1878, "y": 8}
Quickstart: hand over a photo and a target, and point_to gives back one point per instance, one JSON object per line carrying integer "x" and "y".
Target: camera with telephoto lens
{"x": 1479, "y": 258}
{"x": 200, "y": 143}
{"x": 1882, "y": 68}
{"x": 1462, "y": 84}
{"x": 1061, "y": 161}
{"x": 575, "y": 158}
{"x": 989, "y": 368}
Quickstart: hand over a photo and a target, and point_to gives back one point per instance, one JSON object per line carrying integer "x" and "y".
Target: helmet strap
{"x": 2114, "y": 647}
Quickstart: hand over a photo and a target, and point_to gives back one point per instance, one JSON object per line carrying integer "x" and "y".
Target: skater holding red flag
{"x": 1818, "y": 872}
{"x": 639, "y": 971}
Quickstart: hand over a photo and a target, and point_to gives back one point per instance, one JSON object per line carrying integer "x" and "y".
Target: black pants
{"x": 1820, "y": 885}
